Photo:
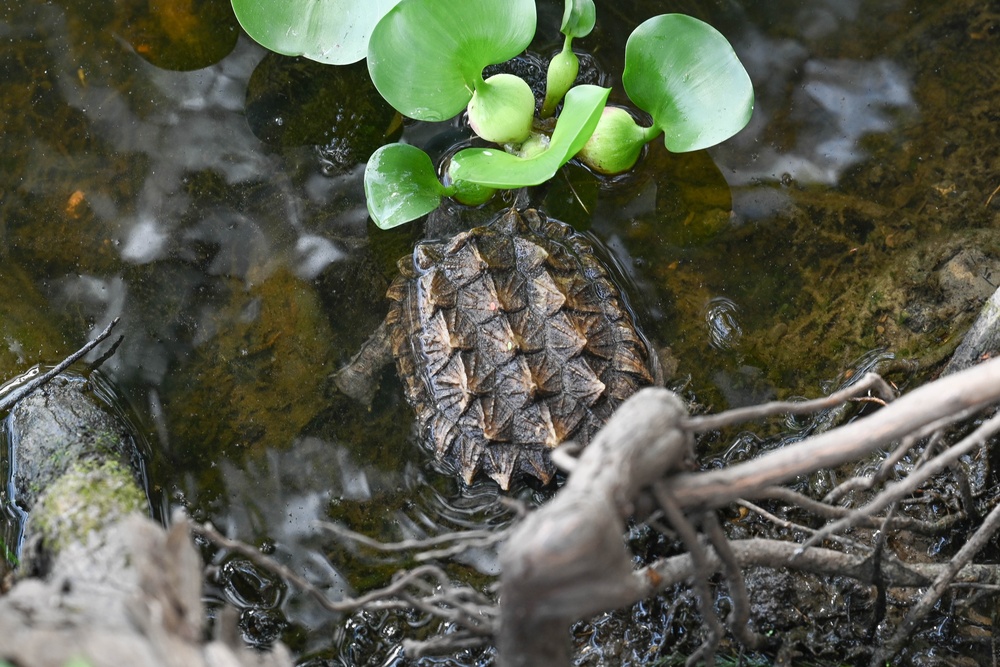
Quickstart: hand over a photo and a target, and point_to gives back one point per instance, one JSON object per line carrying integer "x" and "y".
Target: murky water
{"x": 217, "y": 208}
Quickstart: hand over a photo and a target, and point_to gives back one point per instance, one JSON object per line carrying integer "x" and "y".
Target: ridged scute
{"x": 511, "y": 338}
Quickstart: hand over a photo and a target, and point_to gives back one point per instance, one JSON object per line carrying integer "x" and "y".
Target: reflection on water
{"x": 827, "y": 107}
{"x": 244, "y": 271}
{"x": 836, "y": 106}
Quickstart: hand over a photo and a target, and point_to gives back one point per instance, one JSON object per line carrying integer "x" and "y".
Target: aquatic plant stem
{"x": 561, "y": 76}
{"x": 651, "y": 132}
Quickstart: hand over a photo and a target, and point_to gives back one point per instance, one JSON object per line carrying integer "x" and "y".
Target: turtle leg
{"x": 359, "y": 379}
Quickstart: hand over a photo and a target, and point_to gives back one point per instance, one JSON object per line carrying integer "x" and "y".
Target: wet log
{"x": 75, "y": 467}
{"x": 100, "y": 581}
{"x": 567, "y": 561}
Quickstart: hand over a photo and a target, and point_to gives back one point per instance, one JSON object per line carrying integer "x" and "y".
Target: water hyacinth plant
{"x": 679, "y": 70}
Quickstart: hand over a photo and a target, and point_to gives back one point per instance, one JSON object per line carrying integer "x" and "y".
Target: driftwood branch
{"x": 577, "y": 537}
{"x": 566, "y": 562}
{"x": 943, "y": 401}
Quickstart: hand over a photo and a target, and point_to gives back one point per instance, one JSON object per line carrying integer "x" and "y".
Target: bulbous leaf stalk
{"x": 468, "y": 193}
{"x": 534, "y": 145}
{"x": 616, "y": 143}
{"x": 561, "y": 76}
{"x": 502, "y": 109}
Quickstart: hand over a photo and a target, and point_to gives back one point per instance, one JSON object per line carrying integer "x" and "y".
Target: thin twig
{"x": 870, "y": 381}
{"x": 448, "y": 604}
{"x": 905, "y": 487}
{"x": 978, "y": 540}
{"x": 973, "y": 388}
{"x": 461, "y": 541}
{"x": 827, "y": 511}
{"x": 97, "y": 363}
{"x": 699, "y": 578}
{"x": 992, "y": 195}
{"x": 443, "y": 644}
{"x": 666, "y": 572}
{"x": 784, "y": 523}
{"x": 739, "y": 618}
{"x": 887, "y": 466}
{"x": 20, "y": 392}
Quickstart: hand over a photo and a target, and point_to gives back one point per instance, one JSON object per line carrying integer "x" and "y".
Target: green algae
{"x": 258, "y": 381}
{"x": 29, "y": 333}
{"x": 88, "y": 497}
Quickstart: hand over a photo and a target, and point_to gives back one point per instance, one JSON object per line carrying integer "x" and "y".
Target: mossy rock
{"x": 59, "y": 426}
{"x": 87, "y": 498}
{"x": 258, "y": 380}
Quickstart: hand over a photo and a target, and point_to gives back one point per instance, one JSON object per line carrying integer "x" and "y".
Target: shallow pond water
{"x": 162, "y": 168}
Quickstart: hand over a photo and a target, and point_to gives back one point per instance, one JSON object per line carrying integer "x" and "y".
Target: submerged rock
{"x": 61, "y": 428}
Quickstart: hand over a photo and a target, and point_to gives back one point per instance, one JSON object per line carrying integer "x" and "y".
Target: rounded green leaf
{"x": 685, "y": 74}
{"x": 427, "y": 56}
{"x": 578, "y": 18}
{"x": 470, "y": 194}
{"x": 401, "y": 185}
{"x": 497, "y": 169}
{"x": 335, "y": 32}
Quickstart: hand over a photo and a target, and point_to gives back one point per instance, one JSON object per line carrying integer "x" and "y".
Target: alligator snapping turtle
{"x": 510, "y": 338}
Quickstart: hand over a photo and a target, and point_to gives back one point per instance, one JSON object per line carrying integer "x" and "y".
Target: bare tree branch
{"x": 826, "y": 510}
{"x": 869, "y": 382}
{"x": 567, "y": 560}
{"x": 970, "y": 389}
{"x": 459, "y": 541}
{"x": 659, "y": 576}
{"x": 951, "y": 570}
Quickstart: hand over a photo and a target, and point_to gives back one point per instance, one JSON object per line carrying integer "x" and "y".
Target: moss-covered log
{"x": 100, "y": 582}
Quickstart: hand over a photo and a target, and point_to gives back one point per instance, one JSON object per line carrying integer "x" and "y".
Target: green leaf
{"x": 497, "y": 169}
{"x": 426, "y": 57}
{"x": 335, "y": 32}
{"x": 685, "y": 74}
{"x": 401, "y": 185}
{"x": 578, "y": 18}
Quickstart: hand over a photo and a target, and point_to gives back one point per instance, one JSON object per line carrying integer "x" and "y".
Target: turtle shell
{"x": 511, "y": 338}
